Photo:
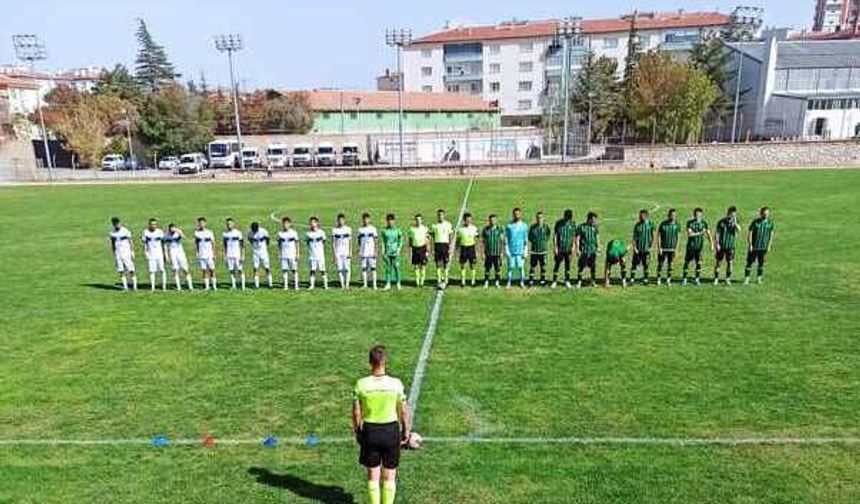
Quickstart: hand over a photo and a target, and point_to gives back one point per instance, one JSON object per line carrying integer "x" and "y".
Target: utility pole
{"x": 30, "y": 49}
{"x": 399, "y": 39}
{"x": 745, "y": 22}
{"x": 570, "y": 29}
{"x": 230, "y": 44}
{"x": 128, "y": 137}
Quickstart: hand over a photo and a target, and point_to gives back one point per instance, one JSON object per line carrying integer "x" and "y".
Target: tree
{"x": 264, "y": 111}
{"x": 596, "y": 91}
{"x": 712, "y": 58}
{"x": 119, "y": 82}
{"x": 690, "y": 105}
{"x": 152, "y": 68}
{"x": 174, "y": 121}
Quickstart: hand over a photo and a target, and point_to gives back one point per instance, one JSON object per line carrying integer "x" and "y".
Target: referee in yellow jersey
{"x": 380, "y": 420}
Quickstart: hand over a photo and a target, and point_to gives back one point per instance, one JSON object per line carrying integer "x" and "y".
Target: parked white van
{"x": 277, "y": 156}
{"x": 349, "y": 154}
{"x": 326, "y": 155}
{"x": 191, "y": 163}
{"x": 251, "y": 157}
{"x": 303, "y": 155}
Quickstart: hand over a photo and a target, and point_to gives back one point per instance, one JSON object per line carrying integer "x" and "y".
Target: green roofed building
{"x": 341, "y": 111}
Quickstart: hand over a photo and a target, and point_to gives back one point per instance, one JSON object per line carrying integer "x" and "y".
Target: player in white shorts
{"x": 315, "y": 239}
{"x": 123, "y": 253}
{"x": 288, "y": 249}
{"x": 234, "y": 253}
{"x": 204, "y": 241}
{"x": 368, "y": 240}
{"x": 176, "y": 253}
{"x": 259, "y": 238}
{"x": 153, "y": 248}
{"x": 341, "y": 244}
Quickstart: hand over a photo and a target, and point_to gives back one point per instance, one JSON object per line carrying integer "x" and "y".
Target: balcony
{"x": 463, "y": 57}
{"x": 463, "y": 76}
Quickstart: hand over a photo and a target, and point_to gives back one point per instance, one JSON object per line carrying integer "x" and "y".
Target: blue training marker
{"x": 159, "y": 441}
{"x": 270, "y": 442}
{"x": 312, "y": 440}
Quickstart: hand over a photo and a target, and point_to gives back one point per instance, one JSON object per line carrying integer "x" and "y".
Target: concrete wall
{"x": 17, "y": 159}
{"x": 752, "y": 155}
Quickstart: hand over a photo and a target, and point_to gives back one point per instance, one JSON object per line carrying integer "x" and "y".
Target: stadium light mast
{"x": 745, "y": 23}
{"x": 399, "y": 39}
{"x": 570, "y": 29}
{"x": 230, "y": 44}
{"x": 30, "y": 49}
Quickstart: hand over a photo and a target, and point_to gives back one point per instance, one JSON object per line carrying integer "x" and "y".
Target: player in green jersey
{"x": 643, "y": 239}
{"x": 382, "y": 424}
{"x": 392, "y": 244}
{"x": 493, "y": 239}
{"x": 667, "y": 236}
{"x": 727, "y": 236}
{"x": 419, "y": 244}
{"x": 697, "y": 231}
{"x": 760, "y": 239}
{"x": 564, "y": 247}
{"x": 442, "y": 232}
{"x": 615, "y": 252}
{"x": 539, "y": 237}
{"x": 467, "y": 238}
{"x": 588, "y": 244}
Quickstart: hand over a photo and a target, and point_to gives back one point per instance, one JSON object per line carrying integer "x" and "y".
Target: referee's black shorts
{"x": 468, "y": 255}
{"x": 419, "y": 256}
{"x": 441, "y": 253}
{"x": 380, "y": 445}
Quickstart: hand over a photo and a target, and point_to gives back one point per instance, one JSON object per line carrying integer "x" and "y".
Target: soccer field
{"x": 644, "y": 395}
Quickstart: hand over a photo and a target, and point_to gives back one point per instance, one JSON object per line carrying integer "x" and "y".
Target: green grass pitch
{"x": 81, "y": 360}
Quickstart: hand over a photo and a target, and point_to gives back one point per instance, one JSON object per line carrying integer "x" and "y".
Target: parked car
{"x": 133, "y": 164}
{"x": 326, "y": 155}
{"x": 168, "y": 163}
{"x": 251, "y": 157}
{"x": 113, "y": 162}
{"x": 191, "y": 164}
{"x": 349, "y": 154}
{"x": 302, "y": 155}
{"x": 277, "y": 156}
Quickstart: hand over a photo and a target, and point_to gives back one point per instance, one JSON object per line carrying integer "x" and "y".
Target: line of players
{"x": 516, "y": 241}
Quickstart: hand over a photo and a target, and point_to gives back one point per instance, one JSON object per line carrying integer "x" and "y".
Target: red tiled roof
{"x": 547, "y": 28}
{"x": 7, "y": 82}
{"x": 387, "y": 101}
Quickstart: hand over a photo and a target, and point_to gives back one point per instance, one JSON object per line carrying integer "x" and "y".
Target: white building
{"x": 517, "y": 64}
{"x": 81, "y": 79}
{"x": 807, "y": 89}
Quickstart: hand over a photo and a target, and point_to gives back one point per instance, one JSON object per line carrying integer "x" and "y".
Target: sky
{"x": 296, "y": 44}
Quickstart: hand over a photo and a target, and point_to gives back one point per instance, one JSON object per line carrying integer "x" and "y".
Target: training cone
{"x": 208, "y": 441}
{"x": 312, "y": 441}
{"x": 270, "y": 442}
{"x": 159, "y": 441}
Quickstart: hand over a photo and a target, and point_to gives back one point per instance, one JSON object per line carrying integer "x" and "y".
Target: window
{"x": 525, "y": 86}
{"x": 426, "y": 71}
{"x": 495, "y": 87}
{"x": 449, "y": 115}
{"x": 453, "y": 88}
{"x": 326, "y": 115}
{"x": 426, "y": 53}
{"x": 379, "y": 115}
{"x": 524, "y": 105}
{"x": 353, "y": 115}
{"x": 426, "y": 115}
{"x": 527, "y": 48}
{"x": 475, "y": 87}
{"x": 495, "y": 68}
{"x": 526, "y": 66}
{"x": 427, "y": 89}
{"x": 610, "y": 43}
{"x": 495, "y": 49}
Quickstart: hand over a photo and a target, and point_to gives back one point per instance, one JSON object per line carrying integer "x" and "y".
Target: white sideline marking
{"x": 421, "y": 366}
{"x": 568, "y": 441}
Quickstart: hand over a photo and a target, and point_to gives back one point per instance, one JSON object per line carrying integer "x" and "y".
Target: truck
{"x": 251, "y": 157}
{"x": 326, "y": 155}
{"x": 224, "y": 154}
{"x": 302, "y": 155}
{"x": 277, "y": 156}
{"x": 349, "y": 154}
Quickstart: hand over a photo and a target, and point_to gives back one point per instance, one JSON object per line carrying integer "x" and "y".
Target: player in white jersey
{"x": 123, "y": 253}
{"x": 204, "y": 241}
{"x": 341, "y": 244}
{"x": 315, "y": 239}
{"x": 288, "y": 249}
{"x": 176, "y": 253}
{"x": 368, "y": 245}
{"x": 259, "y": 238}
{"x": 234, "y": 253}
{"x": 153, "y": 247}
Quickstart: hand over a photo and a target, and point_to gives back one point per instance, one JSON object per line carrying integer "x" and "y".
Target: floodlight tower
{"x": 230, "y": 44}
{"x": 569, "y": 29}
{"x": 745, "y": 23}
{"x": 30, "y": 49}
{"x": 399, "y": 39}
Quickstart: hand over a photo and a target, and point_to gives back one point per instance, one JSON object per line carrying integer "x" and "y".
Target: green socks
{"x": 389, "y": 490}
{"x": 373, "y": 496}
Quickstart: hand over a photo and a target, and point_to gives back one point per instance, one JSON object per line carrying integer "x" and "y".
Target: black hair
{"x": 389, "y": 216}
{"x": 591, "y": 216}
{"x": 467, "y": 215}
{"x": 377, "y": 355}
{"x": 171, "y": 225}
{"x": 732, "y": 209}
{"x": 341, "y": 216}
{"x": 539, "y": 214}
{"x": 365, "y": 215}
{"x": 698, "y": 210}
{"x": 114, "y": 220}
{"x": 255, "y": 226}
{"x": 764, "y": 209}
{"x": 286, "y": 219}
{"x": 568, "y": 214}
{"x": 441, "y": 210}
{"x": 492, "y": 216}
{"x": 153, "y": 219}
{"x": 201, "y": 219}
{"x": 229, "y": 219}
{"x": 518, "y": 209}
{"x": 418, "y": 215}
{"x": 644, "y": 211}
{"x": 671, "y": 211}
{"x": 314, "y": 218}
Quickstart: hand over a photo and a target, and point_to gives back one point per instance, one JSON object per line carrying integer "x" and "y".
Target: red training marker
{"x": 209, "y": 441}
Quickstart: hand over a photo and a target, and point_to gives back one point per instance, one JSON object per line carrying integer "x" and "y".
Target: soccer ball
{"x": 414, "y": 442}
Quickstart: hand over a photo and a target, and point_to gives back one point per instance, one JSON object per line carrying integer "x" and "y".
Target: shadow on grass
{"x": 102, "y": 286}
{"x": 302, "y": 488}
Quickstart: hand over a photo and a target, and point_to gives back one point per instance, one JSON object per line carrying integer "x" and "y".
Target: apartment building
{"x": 836, "y": 16}
{"x": 517, "y": 65}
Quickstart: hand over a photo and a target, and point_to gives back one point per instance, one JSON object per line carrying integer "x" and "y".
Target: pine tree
{"x": 152, "y": 68}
